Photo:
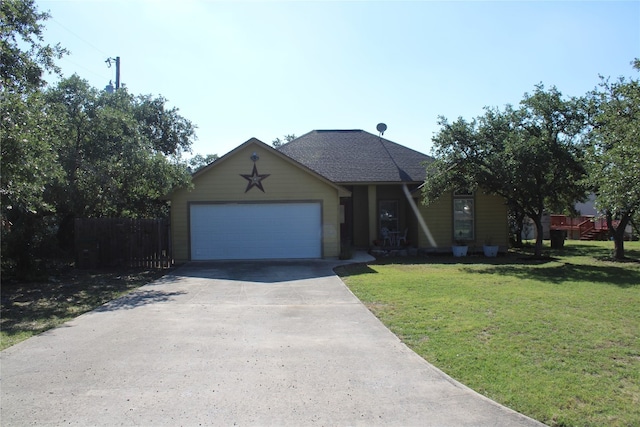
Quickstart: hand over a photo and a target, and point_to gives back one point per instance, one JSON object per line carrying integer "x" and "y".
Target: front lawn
{"x": 556, "y": 339}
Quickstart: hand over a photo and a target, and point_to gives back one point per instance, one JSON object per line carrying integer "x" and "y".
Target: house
{"x": 325, "y": 188}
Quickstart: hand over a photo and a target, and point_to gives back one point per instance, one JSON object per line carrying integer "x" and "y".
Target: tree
{"x": 73, "y": 151}
{"x": 120, "y": 153}
{"x": 199, "y": 161}
{"x": 167, "y": 131}
{"x": 287, "y": 138}
{"x": 29, "y": 168}
{"x": 29, "y": 165}
{"x": 614, "y": 154}
{"x": 24, "y": 57}
{"x": 527, "y": 155}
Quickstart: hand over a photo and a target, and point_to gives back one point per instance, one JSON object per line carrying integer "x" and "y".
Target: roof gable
{"x": 254, "y": 141}
{"x": 356, "y": 156}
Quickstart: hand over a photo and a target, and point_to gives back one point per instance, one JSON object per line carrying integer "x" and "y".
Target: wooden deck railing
{"x": 588, "y": 227}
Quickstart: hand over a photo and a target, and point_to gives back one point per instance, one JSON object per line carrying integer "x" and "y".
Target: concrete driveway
{"x": 234, "y": 343}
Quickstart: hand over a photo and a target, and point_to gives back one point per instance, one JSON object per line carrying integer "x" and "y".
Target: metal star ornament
{"x": 255, "y": 179}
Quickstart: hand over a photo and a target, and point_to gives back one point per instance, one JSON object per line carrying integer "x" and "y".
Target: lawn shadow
{"x": 549, "y": 268}
{"x": 473, "y": 259}
{"x": 567, "y": 272}
{"x": 579, "y": 248}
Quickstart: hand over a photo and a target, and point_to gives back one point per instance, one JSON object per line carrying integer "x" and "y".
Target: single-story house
{"x": 323, "y": 189}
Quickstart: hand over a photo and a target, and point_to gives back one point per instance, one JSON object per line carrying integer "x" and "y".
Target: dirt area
{"x": 29, "y": 308}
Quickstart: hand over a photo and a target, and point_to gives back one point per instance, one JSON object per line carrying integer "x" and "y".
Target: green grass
{"x": 555, "y": 339}
{"x": 30, "y": 308}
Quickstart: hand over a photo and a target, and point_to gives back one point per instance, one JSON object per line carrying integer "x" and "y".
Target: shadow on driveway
{"x": 261, "y": 271}
{"x": 138, "y": 299}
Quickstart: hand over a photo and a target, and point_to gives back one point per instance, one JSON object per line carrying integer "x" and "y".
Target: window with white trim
{"x": 463, "y": 217}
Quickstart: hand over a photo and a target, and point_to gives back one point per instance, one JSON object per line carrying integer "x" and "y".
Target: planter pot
{"x": 490, "y": 251}
{"x": 459, "y": 251}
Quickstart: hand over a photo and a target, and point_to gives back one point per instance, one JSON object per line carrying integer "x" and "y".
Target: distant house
{"x": 589, "y": 224}
{"x": 322, "y": 189}
{"x": 586, "y": 212}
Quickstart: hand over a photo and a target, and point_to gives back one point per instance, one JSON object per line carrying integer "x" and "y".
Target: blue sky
{"x": 264, "y": 69}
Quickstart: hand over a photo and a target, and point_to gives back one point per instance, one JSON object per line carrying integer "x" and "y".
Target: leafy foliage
{"x": 529, "y": 155}
{"x": 73, "y": 151}
{"x": 29, "y": 165}
{"x": 279, "y": 142}
{"x": 120, "y": 153}
{"x": 23, "y": 55}
{"x": 199, "y": 161}
{"x": 614, "y": 153}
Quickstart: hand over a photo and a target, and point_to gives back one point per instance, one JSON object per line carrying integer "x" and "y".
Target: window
{"x": 463, "y": 218}
{"x": 388, "y": 210}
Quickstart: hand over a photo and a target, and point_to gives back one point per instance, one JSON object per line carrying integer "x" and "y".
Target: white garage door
{"x": 256, "y": 231}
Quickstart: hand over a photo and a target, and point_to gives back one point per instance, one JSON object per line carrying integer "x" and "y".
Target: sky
{"x": 266, "y": 69}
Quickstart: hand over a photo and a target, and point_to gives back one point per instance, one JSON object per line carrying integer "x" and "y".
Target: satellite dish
{"x": 381, "y": 128}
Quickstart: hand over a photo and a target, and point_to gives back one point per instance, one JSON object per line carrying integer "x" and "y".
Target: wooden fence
{"x": 122, "y": 242}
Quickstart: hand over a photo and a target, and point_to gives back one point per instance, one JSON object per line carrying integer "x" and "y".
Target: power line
{"x": 79, "y": 38}
{"x": 108, "y": 61}
{"x": 102, "y": 76}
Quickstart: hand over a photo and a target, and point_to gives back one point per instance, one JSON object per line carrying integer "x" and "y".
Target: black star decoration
{"x": 255, "y": 179}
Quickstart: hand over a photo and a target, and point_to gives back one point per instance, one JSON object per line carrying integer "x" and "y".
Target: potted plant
{"x": 490, "y": 250}
{"x": 460, "y": 248}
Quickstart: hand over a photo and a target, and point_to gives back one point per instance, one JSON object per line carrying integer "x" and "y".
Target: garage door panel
{"x": 255, "y": 231}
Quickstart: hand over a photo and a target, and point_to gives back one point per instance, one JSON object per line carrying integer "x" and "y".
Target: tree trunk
{"x": 537, "y": 220}
{"x": 519, "y": 228}
{"x": 618, "y": 234}
{"x": 618, "y": 251}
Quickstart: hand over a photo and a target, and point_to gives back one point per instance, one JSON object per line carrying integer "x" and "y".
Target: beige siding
{"x": 490, "y": 221}
{"x": 286, "y": 182}
{"x": 438, "y": 218}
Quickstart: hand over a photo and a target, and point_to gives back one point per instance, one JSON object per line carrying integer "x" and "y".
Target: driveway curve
{"x": 234, "y": 343}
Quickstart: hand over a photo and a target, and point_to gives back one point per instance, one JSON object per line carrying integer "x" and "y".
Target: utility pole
{"x": 117, "y": 60}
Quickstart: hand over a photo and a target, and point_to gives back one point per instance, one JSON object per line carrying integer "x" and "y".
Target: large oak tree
{"x": 28, "y": 164}
{"x": 71, "y": 150}
{"x": 614, "y": 154}
{"x": 120, "y": 153}
{"x": 529, "y": 155}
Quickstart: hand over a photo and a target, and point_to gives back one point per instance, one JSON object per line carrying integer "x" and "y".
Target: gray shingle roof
{"x": 353, "y": 156}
